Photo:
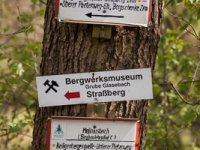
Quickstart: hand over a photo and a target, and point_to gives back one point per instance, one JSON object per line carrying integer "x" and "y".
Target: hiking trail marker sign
{"x": 68, "y": 133}
{"x": 106, "y": 86}
{"x": 108, "y": 12}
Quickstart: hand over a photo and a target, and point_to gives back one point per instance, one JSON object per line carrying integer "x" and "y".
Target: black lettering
{"x": 111, "y": 78}
{"x": 106, "y": 6}
{"x": 100, "y": 79}
{"x": 131, "y": 1}
{"x": 73, "y": 81}
{"x": 127, "y": 77}
{"x": 89, "y": 94}
{"x": 122, "y": 78}
{"x": 85, "y": 130}
{"x": 122, "y": 93}
{"x": 67, "y": 81}
{"x": 143, "y": 8}
{"x": 68, "y": 4}
{"x": 99, "y": 94}
{"x": 109, "y": 93}
{"x": 114, "y": 93}
{"x": 81, "y": 81}
{"x": 105, "y": 79}
{"x": 58, "y": 146}
{"x": 104, "y": 93}
{"x": 117, "y": 78}
{"x": 138, "y": 77}
{"x": 93, "y": 80}
{"x": 87, "y": 80}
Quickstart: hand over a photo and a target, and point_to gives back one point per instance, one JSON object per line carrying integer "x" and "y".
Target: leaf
{"x": 176, "y": 62}
{"x": 14, "y": 129}
{"x": 198, "y": 13}
{"x": 14, "y": 133}
{"x": 169, "y": 2}
{"x": 40, "y": 12}
{"x": 12, "y": 124}
{"x": 9, "y": 60}
{"x": 20, "y": 69}
{"x": 5, "y": 29}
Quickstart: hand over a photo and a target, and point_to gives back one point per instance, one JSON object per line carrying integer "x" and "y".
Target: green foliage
{"x": 19, "y": 57}
{"x": 192, "y": 5}
{"x": 172, "y": 123}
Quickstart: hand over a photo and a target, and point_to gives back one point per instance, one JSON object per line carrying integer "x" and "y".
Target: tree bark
{"x": 70, "y": 48}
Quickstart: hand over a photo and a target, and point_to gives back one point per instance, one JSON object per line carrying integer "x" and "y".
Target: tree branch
{"x": 24, "y": 29}
{"x": 177, "y": 92}
{"x": 188, "y": 81}
{"x": 194, "y": 76}
{"x": 43, "y": 2}
{"x": 187, "y": 29}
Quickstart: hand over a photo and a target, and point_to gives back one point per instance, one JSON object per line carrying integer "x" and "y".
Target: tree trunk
{"x": 70, "y": 48}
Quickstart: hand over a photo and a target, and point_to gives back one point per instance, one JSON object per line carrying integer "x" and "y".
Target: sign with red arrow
{"x": 108, "y": 12}
{"x": 106, "y": 86}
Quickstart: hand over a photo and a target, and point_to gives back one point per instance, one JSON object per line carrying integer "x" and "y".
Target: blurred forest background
{"x": 174, "y": 113}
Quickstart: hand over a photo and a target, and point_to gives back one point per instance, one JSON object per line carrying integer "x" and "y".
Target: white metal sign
{"x": 126, "y": 12}
{"x": 65, "y": 133}
{"x": 91, "y": 87}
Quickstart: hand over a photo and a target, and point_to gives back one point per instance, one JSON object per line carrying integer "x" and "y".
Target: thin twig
{"x": 43, "y": 2}
{"x": 187, "y": 81}
{"x": 7, "y": 40}
{"x": 178, "y": 18}
{"x": 173, "y": 133}
{"x": 27, "y": 39}
{"x": 191, "y": 44}
{"x": 25, "y": 135}
{"x": 177, "y": 92}
{"x": 24, "y": 29}
{"x": 182, "y": 33}
{"x": 187, "y": 29}
{"x": 194, "y": 76}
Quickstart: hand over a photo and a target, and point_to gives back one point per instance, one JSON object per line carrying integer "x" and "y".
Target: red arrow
{"x": 72, "y": 95}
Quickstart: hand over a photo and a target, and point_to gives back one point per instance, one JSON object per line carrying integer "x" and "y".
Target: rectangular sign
{"x": 68, "y": 133}
{"x": 106, "y": 86}
{"x": 109, "y": 12}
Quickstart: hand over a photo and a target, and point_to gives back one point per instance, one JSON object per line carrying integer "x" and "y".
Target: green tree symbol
{"x": 59, "y": 130}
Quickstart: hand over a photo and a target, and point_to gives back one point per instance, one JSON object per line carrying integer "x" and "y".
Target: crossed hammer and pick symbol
{"x": 51, "y": 86}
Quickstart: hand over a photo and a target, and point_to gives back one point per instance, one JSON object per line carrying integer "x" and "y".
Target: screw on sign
{"x": 53, "y": 83}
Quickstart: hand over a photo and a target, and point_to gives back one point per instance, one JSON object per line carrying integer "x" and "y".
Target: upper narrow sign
{"x": 126, "y": 12}
{"x": 66, "y": 133}
{"x": 103, "y": 86}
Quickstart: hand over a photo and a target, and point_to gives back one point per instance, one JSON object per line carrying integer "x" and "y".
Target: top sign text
{"x": 127, "y": 12}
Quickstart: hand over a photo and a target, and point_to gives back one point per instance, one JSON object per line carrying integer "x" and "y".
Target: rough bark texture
{"x": 70, "y": 48}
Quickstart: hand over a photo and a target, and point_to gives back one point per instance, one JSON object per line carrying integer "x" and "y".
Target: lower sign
{"x": 67, "y": 133}
{"x": 105, "y": 86}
